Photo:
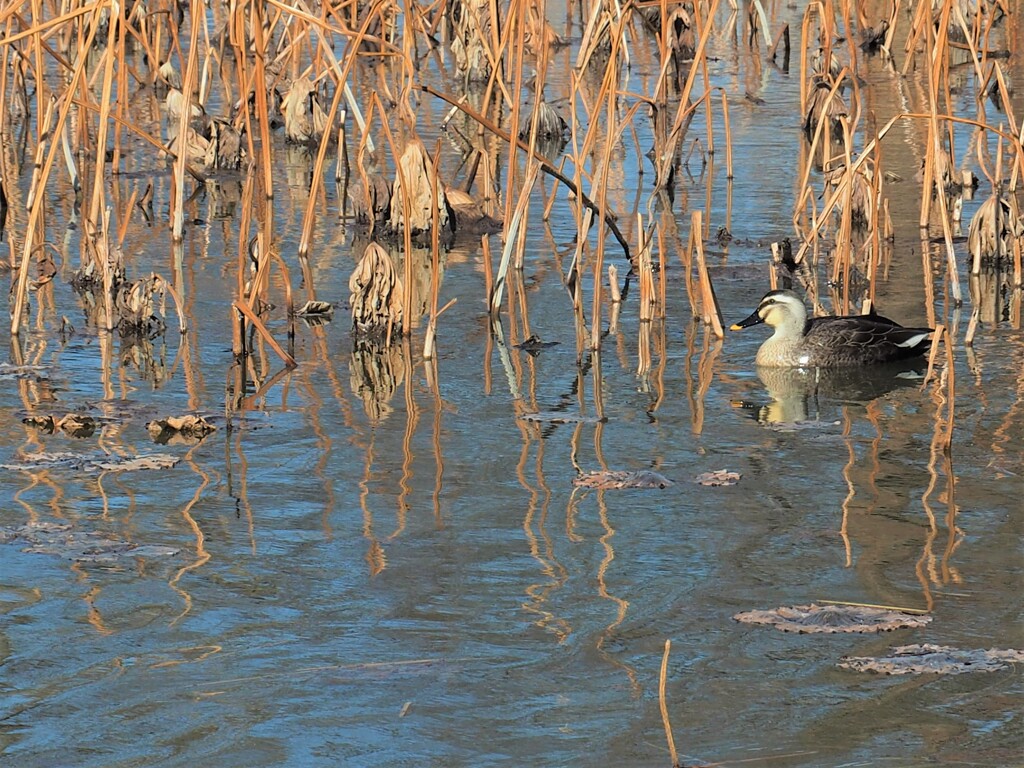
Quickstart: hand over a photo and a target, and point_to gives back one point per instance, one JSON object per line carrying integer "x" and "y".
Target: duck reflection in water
{"x": 798, "y": 396}
{"x": 848, "y": 359}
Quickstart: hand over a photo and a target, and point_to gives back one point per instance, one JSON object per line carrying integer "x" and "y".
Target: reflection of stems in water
{"x": 412, "y": 419}
{"x": 94, "y": 617}
{"x": 705, "y": 375}
{"x": 954, "y": 534}
{"x": 598, "y": 396}
{"x": 375, "y": 553}
{"x": 101, "y": 491}
{"x": 242, "y": 497}
{"x": 850, "y": 490}
{"x": 939, "y": 451}
{"x": 549, "y": 565}
{"x": 107, "y": 363}
{"x": 488, "y": 354}
{"x": 323, "y": 452}
{"x": 498, "y": 334}
{"x": 661, "y": 349}
{"x": 602, "y": 590}
{"x": 438, "y": 454}
{"x": 202, "y": 556}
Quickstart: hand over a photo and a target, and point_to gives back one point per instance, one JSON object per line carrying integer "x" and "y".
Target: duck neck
{"x": 784, "y": 346}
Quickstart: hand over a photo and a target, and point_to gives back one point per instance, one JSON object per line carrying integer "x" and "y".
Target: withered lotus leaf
{"x": 934, "y": 659}
{"x": 833, "y": 619}
{"x": 608, "y": 480}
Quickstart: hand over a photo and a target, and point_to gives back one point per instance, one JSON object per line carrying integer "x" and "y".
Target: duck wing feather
{"x": 859, "y": 339}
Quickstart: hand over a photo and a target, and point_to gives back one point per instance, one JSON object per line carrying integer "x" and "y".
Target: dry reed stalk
{"x": 609, "y": 94}
{"x": 709, "y": 303}
{"x": 512, "y": 237}
{"x": 243, "y": 307}
{"x": 646, "y": 274}
{"x": 844, "y": 242}
{"x": 191, "y": 74}
{"x": 101, "y": 143}
{"x": 35, "y": 210}
{"x": 703, "y": 60}
{"x": 259, "y": 87}
{"x": 545, "y": 164}
{"x": 406, "y": 206}
{"x": 341, "y": 91}
{"x": 812, "y": 10}
{"x": 937, "y": 335}
{"x": 435, "y": 259}
{"x": 900, "y": 608}
{"x": 972, "y": 325}
{"x": 248, "y": 193}
{"x": 518, "y": 26}
{"x": 665, "y": 157}
{"x": 485, "y": 250}
{"x": 122, "y": 85}
{"x": 728, "y": 137}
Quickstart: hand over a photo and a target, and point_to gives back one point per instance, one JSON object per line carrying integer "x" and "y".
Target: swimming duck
{"x": 827, "y": 342}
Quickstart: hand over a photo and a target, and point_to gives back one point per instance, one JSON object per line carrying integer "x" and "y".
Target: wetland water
{"x": 379, "y": 562}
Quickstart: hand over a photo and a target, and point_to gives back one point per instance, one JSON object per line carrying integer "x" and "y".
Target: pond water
{"x": 376, "y": 559}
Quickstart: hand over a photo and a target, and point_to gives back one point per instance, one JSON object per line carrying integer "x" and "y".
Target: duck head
{"x": 782, "y": 310}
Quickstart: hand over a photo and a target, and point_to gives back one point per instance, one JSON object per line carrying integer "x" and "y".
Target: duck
{"x": 832, "y": 341}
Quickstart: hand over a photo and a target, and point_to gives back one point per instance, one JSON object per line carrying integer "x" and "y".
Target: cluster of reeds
{"x": 853, "y": 223}
{"x": 214, "y": 94}
{"x": 100, "y": 91}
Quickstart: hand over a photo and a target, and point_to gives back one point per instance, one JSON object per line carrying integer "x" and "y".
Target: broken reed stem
{"x": 435, "y": 256}
{"x": 728, "y": 135}
{"x": 709, "y": 303}
{"x": 253, "y": 318}
{"x": 937, "y": 335}
{"x": 662, "y": 677}
{"x": 485, "y": 250}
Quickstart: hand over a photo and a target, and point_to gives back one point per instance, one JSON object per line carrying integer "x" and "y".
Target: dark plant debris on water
{"x": 609, "y": 480}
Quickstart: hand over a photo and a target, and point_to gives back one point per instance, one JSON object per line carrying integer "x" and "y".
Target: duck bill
{"x": 753, "y": 319}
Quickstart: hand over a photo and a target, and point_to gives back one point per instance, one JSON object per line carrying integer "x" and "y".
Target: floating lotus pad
{"x": 190, "y": 426}
{"x": 81, "y": 546}
{"x": 559, "y": 417}
{"x": 607, "y": 480}
{"x": 8, "y": 371}
{"x": 717, "y": 478}
{"x": 100, "y": 462}
{"x": 934, "y": 659}
{"x": 832, "y": 619}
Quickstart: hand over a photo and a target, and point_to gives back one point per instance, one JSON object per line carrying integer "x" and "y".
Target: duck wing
{"x": 862, "y": 339}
